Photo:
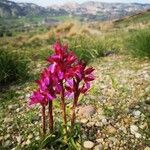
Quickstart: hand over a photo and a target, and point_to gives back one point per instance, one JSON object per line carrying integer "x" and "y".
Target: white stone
{"x": 136, "y": 113}
{"x": 100, "y": 140}
{"x": 28, "y": 142}
{"x": 30, "y": 136}
{"x": 13, "y": 107}
{"x": 88, "y": 144}
{"x": 98, "y": 124}
{"x": 8, "y": 120}
{"x": 98, "y": 147}
{"x": 147, "y": 148}
{"x": 84, "y": 120}
{"x": 86, "y": 111}
{"x": 90, "y": 124}
{"x": 27, "y": 96}
{"x": 123, "y": 129}
{"x": 138, "y": 135}
{"x": 19, "y": 139}
{"x": 133, "y": 129}
{"x": 104, "y": 121}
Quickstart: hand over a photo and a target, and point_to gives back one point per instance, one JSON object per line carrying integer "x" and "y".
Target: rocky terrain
{"x": 114, "y": 115}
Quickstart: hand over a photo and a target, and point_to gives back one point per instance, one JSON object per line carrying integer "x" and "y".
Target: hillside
{"x": 12, "y": 9}
{"x": 139, "y": 18}
{"x": 95, "y": 11}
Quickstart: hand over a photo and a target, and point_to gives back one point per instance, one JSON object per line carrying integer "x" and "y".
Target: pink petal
{"x": 52, "y": 67}
{"x": 69, "y": 83}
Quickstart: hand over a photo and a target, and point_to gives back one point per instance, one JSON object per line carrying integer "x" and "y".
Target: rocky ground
{"x": 114, "y": 115}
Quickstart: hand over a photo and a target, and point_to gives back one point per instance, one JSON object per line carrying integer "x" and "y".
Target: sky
{"x": 50, "y": 2}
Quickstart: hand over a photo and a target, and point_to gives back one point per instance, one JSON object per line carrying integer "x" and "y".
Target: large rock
{"x": 86, "y": 111}
{"x": 98, "y": 147}
{"x": 88, "y": 144}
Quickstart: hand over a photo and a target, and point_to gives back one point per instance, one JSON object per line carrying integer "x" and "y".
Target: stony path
{"x": 114, "y": 115}
{"x": 121, "y": 96}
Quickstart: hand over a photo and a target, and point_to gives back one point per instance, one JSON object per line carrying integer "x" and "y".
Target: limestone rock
{"x": 86, "y": 111}
{"x": 88, "y": 144}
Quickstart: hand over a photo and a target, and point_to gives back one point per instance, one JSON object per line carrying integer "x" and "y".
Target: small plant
{"x": 66, "y": 77}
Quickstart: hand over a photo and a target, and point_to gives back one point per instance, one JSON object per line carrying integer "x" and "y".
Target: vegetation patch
{"x": 139, "y": 43}
{"x": 13, "y": 67}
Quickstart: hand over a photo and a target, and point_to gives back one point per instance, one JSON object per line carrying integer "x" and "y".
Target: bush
{"x": 1, "y": 34}
{"x": 139, "y": 43}
{"x": 13, "y": 67}
{"x": 8, "y": 33}
{"x": 87, "y": 48}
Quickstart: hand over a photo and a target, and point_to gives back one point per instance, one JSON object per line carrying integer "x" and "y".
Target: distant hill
{"x": 12, "y": 9}
{"x": 93, "y": 10}
{"x": 87, "y": 11}
{"x": 136, "y": 19}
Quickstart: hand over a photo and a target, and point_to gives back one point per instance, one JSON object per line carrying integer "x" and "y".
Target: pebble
{"x": 138, "y": 135}
{"x": 28, "y": 142}
{"x": 123, "y": 129}
{"x": 98, "y": 124}
{"x": 86, "y": 111}
{"x": 13, "y": 107}
{"x": 133, "y": 129}
{"x": 143, "y": 126}
{"x": 111, "y": 130}
{"x": 147, "y": 148}
{"x": 6, "y": 136}
{"x": 8, "y": 120}
{"x": 27, "y": 96}
{"x": 136, "y": 113}
{"x": 90, "y": 124}
{"x": 19, "y": 139}
{"x": 88, "y": 144}
{"x": 30, "y": 136}
{"x": 100, "y": 140}
{"x": 84, "y": 120}
{"x": 113, "y": 139}
{"x": 37, "y": 138}
{"x": 98, "y": 147}
{"x": 18, "y": 109}
{"x": 104, "y": 121}
{"x": 7, "y": 143}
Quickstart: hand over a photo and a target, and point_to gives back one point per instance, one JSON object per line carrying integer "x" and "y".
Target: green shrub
{"x": 139, "y": 43}
{"x": 8, "y": 33}
{"x": 87, "y": 48}
{"x": 1, "y": 34}
{"x": 13, "y": 67}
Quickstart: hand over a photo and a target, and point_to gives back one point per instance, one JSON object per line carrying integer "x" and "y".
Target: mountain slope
{"x": 142, "y": 18}
{"x": 92, "y": 10}
{"x": 12, "y": 9}
{"x": 89, "y": 11}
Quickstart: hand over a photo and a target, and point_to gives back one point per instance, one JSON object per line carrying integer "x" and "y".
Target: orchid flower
{"x": 65, "y": 76}
{"x": 79, "y": 84}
